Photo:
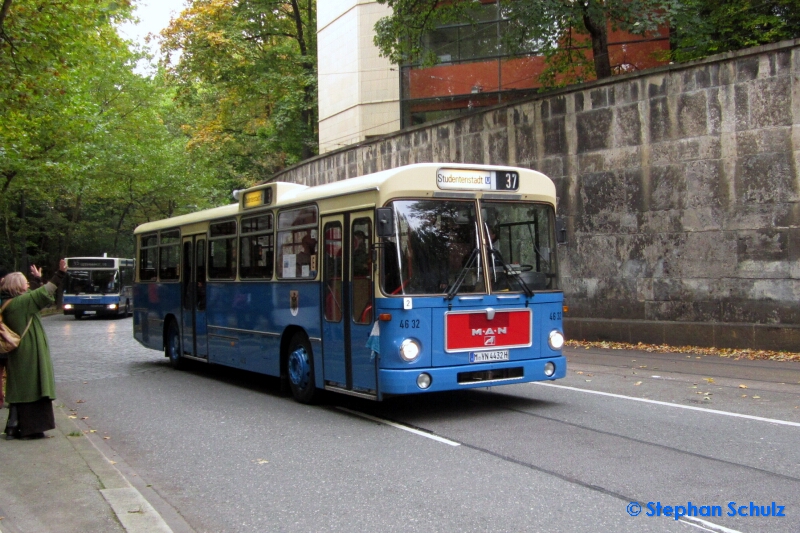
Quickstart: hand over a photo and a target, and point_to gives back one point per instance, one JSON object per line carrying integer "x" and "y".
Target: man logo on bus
{"x": 488, "y": 335}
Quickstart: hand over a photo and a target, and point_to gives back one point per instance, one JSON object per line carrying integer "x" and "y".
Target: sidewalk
{"x": 64, "y": 484}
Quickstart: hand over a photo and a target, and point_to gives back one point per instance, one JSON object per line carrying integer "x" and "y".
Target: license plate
{"x": 485, "y": 357}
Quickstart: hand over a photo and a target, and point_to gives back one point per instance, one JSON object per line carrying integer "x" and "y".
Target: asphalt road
{"x": 220, "y": 450}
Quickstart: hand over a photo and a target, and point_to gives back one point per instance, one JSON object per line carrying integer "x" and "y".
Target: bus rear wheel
{"x": 300, "y": 366}
{"x": 172, "y": 346}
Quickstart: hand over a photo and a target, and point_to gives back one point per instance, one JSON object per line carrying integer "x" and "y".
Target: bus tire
{"x": 78, "y": 315}
{"x": 300, "y": 367}
{"x": 127, "y": 309}
{"x": 172, "y": 346}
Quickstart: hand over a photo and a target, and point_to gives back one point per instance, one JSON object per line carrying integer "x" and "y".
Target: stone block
{"x": 754, "y": 142}
{"x": 682, "y": 334}
{"x": 692, "y": 114}
{"x": 780, "y": 338}
{"x": 746, "y": 68}
{"x": 647, "y": 332}
{"x": 659, "y": 120}
{"x": 668, "y": 187}
{"x": 525, "y": 143}
{"x": 555, "y": 136}
{"x": 733, "y": 335}
{"x": 498, "y": 148}
{"x": 594, "y": 129}
{"x": 628, "y": 125}
{"x": 741, "y": 99}
{"x": 625, "y": 93}
{"x": 704, "y": 185}
{"x": 605, "y": 330}
{"x": 472, "y": 149}
{"x": 766, "y": 178}
{"x": 763, "y": 245}
{"x": 771, "y": 102}
{"x": 552, "y": 166}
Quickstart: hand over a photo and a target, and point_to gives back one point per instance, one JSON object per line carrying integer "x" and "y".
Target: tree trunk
{"x": 598, "y": 29}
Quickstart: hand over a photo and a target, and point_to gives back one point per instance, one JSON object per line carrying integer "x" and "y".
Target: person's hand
{"x": 36, "y": 272}
{"x": 62, "y": 265}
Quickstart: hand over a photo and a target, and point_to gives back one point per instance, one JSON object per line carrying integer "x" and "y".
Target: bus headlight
{"x": 556, "y": 340}
{"x": 409, "y": 350}
{"x": 112, "y": 306}
{"x": 67, "y": 306}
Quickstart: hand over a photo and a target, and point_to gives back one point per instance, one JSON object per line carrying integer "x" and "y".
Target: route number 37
{"x": 507, "y": 181}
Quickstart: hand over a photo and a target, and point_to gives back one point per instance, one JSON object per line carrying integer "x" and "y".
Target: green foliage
{"x": 88, "y": 148}
{"x": 703, "y": 28}
{"x": 245, "y": 76}
{"x": 545, "y": 27}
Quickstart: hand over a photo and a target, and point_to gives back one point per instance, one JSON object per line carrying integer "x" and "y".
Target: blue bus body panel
{"x": 247, "y": 320}
{"x": 425, "y": 323}
{"x": 446, "y": 378}
{"x": 160, "y": 300}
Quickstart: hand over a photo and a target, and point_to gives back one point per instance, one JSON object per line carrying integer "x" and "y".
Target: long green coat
{"x": 30, "y": 369}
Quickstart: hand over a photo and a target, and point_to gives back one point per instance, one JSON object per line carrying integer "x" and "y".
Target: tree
{"x": 86, "y": 147}
{"x": 245, "y": 73}
{"x": 707, "y": 27}
{"x": 547, "y": 27}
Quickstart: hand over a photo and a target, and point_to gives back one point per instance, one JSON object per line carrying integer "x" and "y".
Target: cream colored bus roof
{"x": 417, "y": 180}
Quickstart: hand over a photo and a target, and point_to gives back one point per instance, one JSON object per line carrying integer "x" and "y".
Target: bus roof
{"x": 418, "y": 180}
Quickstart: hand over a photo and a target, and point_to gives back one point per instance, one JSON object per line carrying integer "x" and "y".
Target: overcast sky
{"x": 154, "y": 16}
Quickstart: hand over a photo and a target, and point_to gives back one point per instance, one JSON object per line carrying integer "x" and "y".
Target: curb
{"x": 133, "y": 511}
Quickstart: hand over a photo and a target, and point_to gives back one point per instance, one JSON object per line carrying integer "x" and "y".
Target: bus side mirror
{"x": 384, "y": 221}
{"x": 561, "y": 230}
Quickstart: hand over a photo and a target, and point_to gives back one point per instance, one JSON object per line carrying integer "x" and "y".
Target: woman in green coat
{"x": 30, "y": 386}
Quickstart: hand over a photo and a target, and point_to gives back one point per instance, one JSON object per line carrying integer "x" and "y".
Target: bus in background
{"x": 98, "y": 286}
{"x": 427, "y": 277}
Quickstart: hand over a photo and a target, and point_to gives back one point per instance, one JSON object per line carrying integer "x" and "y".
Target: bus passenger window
{"x": 362, "y": 271}
{"x": 148, "y": 258}
{"x": 169, "y": 255}
{"x": 222, "y": 250}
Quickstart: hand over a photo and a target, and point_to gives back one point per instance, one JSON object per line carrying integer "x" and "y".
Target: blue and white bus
{"x": 98, "y": 286}
{"x": 428, "y": 277}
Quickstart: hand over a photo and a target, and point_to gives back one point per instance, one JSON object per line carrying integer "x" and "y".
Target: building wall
{"x": 359, "y": 91}
{"x": 680, "y": 186}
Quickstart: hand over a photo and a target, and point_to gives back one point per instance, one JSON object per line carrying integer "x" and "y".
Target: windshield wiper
{"x": 511, "y": 273}
{"x": 463, "y": 274}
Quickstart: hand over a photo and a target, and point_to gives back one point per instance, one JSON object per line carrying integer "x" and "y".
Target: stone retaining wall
{"x": 679, "y": 184}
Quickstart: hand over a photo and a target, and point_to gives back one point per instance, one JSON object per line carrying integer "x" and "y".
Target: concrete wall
{"x": 359, "y": 91}
{"x": 680, "y": 185}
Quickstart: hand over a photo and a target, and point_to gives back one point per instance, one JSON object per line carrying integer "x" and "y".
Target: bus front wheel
{"x": 78, "y": 315}
{"x": 300, "y": 366}
{"x": 172, "y": 346}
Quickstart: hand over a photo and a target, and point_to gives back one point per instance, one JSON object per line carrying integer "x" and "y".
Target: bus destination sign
{"x": 257, "y": 198}
{"x": 90, "y": 263}
{"x": 477, "y": 180}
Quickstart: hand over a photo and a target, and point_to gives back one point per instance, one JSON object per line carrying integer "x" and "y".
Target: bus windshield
{"x": 92, "y": 282}
{"x": 439, "y": 247}
{"x": 521, "y": 237}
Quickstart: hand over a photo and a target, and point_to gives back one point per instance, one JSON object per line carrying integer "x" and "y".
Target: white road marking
{"x": 400, "y": 426}
{"x": 677, "y": 405}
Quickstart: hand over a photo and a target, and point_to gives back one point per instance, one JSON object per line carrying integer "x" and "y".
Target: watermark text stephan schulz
{"x": 750, "y": 509}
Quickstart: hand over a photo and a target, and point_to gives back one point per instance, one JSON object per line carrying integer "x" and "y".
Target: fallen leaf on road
{"x": 106, "y": 438}
{"x": 72, "y": 416}
{"x": 579, "y": 372}
{"x": 84, "y": 418}
{"x": 112, "y": 462}
{"x": 756, "y": 397}
{"x": 588, "y": 380}
{"x": 736, "y": 353}
{"x": 742, "y": 386}
{"x": 261, "y": 461}
{"x": 81, "y": 401}
{"x": 638, "y": 383}
{"x": 744, "y": 395}
{"x": 709, "y": 380}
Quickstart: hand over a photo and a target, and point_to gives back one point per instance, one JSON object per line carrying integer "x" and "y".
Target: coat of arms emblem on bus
{"x": 294, "y": 302}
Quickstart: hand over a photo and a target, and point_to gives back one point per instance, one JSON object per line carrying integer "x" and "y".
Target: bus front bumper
{"x": 396, "y": 381}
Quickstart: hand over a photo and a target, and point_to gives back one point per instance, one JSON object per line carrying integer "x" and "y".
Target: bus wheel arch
{"x": 297, "y": 365}
{"x": 172, "y": 343}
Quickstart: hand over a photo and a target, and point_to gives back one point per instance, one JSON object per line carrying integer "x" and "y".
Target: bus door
{"x": 347, "y": 303}
{"x": 193, "y": 299}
